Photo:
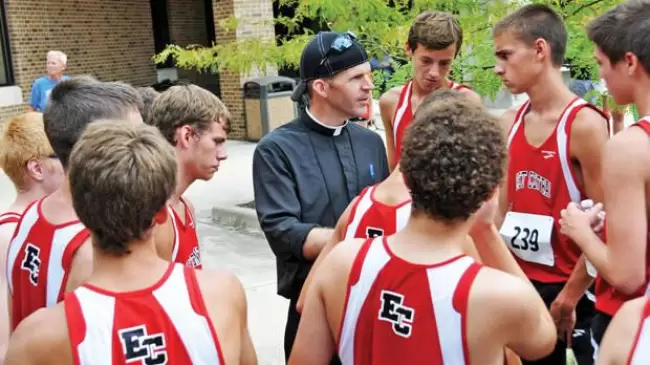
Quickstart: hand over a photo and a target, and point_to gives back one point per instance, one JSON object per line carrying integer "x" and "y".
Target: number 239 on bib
{"x": 529, "y": 237}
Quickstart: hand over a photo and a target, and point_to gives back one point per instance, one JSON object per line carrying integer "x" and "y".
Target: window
{"x": 6, "y": 71}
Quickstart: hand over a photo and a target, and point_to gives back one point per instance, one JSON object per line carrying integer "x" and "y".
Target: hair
{"x": 59, "y": 55}
{"x": 453, "y": 157}
{"x": 624, "y": 28}
{"x": 435, "y": 30}
{"x": 79, "y": 101}
{"x": 191, "y": 105}
{"x": 121, "y": 175}
{"x": 534, "y": 21}
{"x": 23, "y": 139}
{"x": 148, "y": 95}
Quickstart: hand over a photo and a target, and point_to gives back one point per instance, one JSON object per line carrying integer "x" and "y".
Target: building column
{"x": 248, "y": 12}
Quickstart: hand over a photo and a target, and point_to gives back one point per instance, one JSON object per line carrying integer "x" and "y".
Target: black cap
{"x": 326, "y": 55}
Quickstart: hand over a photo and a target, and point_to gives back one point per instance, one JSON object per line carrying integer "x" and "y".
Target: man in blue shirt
{"x": 56, "y": 63}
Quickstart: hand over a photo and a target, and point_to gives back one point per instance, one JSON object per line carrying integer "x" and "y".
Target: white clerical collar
{"x": 334, "y": 130}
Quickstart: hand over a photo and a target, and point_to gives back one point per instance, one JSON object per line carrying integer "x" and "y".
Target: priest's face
{"x": 350, "y": 91}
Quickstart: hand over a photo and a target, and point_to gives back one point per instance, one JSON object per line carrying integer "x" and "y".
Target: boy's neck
{"x": 26, "y": 197}
{"x": 139, "y": 269}
{"x": 642, "y": 99}
{"x": 550, "y": 93}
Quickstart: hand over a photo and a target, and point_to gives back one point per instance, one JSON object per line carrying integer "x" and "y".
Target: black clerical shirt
{"x": 304, "y": 176}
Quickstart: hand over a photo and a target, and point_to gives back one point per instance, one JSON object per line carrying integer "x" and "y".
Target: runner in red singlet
{"x": 30, "y": 163}
{"x": 434, "y": 40}
{"x": 415, "y": 297}
{"x": 50, "y": 252}
{"x": 627, "y": 339}
{"x": 195, "y": 122}
{"x": 555, "y": 141}
{"x": 135, "y": 306}
{"x": 623, "y": 264}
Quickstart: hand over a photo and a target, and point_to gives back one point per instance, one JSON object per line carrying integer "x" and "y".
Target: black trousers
{"x": 293, "y": 320}
{"x": 598, "y": 327}
{"x": 581, "y": 334}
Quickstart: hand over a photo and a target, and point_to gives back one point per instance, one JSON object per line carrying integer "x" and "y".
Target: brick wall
{"x": 109, "y": 39}
{"x": 248, "y": 12}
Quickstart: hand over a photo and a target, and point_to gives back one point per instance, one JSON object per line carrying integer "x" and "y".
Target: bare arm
{"x": 619, "y": 337}
{"x": 82, "y": 266}
{"x": 225, "y": 301}
{"x": 6, "y": 233}
{"x": 506, "y": 120}
{"x": 529, "y": 329}
{"x": 21, "y": 349}
{"x": 588, "y": 137}
{"x": 622, "y": 261}
{"x": 315, "y": 340}
{"x": 40, "y": 339}
{"x": 336, "y": 237}
{"x": 624, "y": 182}
{"x": 494, "y": 252}
{"x": 247, "y": 354}
{"x": 314, "y": 343}
{"x": 387, "y": 105}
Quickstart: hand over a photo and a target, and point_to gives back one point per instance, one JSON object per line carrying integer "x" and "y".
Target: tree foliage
{"x": 382, "y": 26}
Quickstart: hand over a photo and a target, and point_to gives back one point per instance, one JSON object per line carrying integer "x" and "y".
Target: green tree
{"x": 382, "y": 26}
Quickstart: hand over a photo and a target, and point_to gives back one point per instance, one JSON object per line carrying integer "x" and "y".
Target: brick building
{"x": 116, "y": 39}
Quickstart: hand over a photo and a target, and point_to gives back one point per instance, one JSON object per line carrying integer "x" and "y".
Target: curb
{"x": 238, "y": 218}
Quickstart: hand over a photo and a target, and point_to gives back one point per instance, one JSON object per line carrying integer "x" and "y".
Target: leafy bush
{"x": 382, "y": 26}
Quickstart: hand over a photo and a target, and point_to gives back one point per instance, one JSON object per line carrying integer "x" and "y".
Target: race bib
{"x": 591, "y": 270}
{"x": 529, "y": 237}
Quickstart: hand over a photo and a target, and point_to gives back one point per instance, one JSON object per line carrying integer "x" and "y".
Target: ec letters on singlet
{"x": 138, "y": 345}
{"x": 394, "y": 311}
{"x": 32, "y": 262}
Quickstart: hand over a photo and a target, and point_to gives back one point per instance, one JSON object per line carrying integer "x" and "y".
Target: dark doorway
{"x": 160, "y": 24}
{"x": 209, "y": 22}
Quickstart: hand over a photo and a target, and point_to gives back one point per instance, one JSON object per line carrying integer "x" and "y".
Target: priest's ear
{"x": 318, "y": 87}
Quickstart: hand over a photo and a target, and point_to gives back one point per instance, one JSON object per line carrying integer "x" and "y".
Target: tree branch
{"x": 582, "y": 7}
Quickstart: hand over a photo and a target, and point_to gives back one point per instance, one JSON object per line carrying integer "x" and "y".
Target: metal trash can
{"x": 267, "y": 105}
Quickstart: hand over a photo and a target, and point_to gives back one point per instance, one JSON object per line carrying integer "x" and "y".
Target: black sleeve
{"x": 384, "y": 161}
{"x": 277, "y": 204}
